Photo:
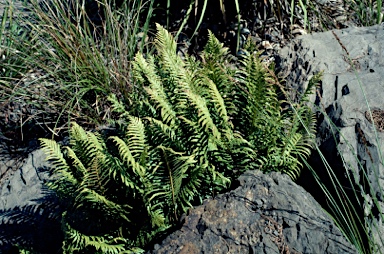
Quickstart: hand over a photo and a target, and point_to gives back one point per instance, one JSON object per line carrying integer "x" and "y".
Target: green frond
{"x": 85, "y": 144}
{"x": 204, "y": 116}
{"x": 127, "y": 156}
{"x": 117, "y": 170}
{"x": 54, "y": 154}
{"x": 176, "y": 165}
{"x": 136, "y": 137}
{"x": 192, "y": 187}
{"x": 166, "y": 109}
{"x": 102, "y": 244}
{"x": 155, "y": 89}
{"x": 313, "y": 82}
{"x": 157, "y": 217}
{"x": 77, "y": 133}
{"x": 219, "y": 104}
{"x": 94, "y": 199}
{"x": 80, "y": 168}
{"x": 166, "y": 47}
{"x": 165, "y": 133}
{"x": 214, "y": 50}
{"x": 117, "y": 106}
{"x": 94, "y": 177}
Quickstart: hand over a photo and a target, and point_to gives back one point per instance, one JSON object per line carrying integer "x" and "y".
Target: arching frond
{"x": 204, "y": 116}
{"x": 176, "y": 165}
{"x": 92, "y": 197}
{"x": 101, "y": 244}
{"x": 54, "y": 154}
{"x": 156, "y": 92}
{"x": 166, "y": 47}
{"x": 78, "y": 164}
{"x": 127, "y": 156}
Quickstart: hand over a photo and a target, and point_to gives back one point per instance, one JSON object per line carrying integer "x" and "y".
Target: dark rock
{"x": 350, "y": 115}
{"x": 266, "y": 214}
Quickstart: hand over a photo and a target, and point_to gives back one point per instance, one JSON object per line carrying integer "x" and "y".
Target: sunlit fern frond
{"x": 64, "y": 181}
{"x": 126, "y": 155}
{"x": 85, "y": 144}
{"x": 146, "y": 71}
{"x": 217, "y": 101}
{"x": 162, "y": 133}
{"x": 217, "y": 66}
{"x": 166, "y": 48}
{"x": 286, "y": 157}
{"x": 203, "y": 113}
{"x": 214, "y": 51}
{"x": 77, "y": 163}
{"x": 53, "y": 152}
{"x": 136, "y": 137}
{"x": 95, "y": 178}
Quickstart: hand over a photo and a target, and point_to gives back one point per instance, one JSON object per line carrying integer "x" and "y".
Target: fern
{"x": 198, "y": 126}
{"x": 94, "y": 244}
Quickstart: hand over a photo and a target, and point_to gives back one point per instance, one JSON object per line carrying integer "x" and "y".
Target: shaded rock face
{"x": 27, "y": 209}
{"x": 265, "y": 214}
{"x": 23, "y": 184}
{"x": 350, "y": 132}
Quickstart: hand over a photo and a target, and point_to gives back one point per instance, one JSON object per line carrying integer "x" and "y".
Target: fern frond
{"x": 166, "y": 47}
{"x": 102, "y": 244}
{"x": 136, "y": 137}
{"x": 85, "y": 144}
{"x": 214, "y": 50}
{"x": 94, "y": 199}
{"x": 53, "y": 153}
{"x": 127, "y": 156}
{"x": 80, "y": 168}
{"x": 165, "y": 133}
{"x": 77, "y": 133}
{"x": 203, "y": 114}
{"x": 175, "y": 168}
{"x": 156, "y": 91}
{"x": 219, "y": 104}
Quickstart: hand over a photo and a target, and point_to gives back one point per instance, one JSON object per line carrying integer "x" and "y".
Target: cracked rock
{"x": 291, "y": 222}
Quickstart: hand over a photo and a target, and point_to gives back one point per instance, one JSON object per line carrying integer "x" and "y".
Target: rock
{"x": 351, "y": 88}
{"x": 25, "y": 183}
{"x": 265, "y": 214}
{"x": 27, "y": 210}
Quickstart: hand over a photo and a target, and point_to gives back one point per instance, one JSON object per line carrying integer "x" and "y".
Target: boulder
{"x": 350, "y": 110}
{"x": 265, "y": 214}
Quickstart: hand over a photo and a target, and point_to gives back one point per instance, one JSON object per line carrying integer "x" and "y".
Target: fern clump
{"x": 199, "y": 125}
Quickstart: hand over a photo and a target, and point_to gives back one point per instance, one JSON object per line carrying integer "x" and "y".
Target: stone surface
{"x": 350, "y": 138}
{"x": 265, "y": 214}
{"x": 20, "y": 186}
{"x": 26, "y": 208}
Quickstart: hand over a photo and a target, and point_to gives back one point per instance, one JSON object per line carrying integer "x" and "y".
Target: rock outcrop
{"x": 350, "y": 110}
{"x": 265, "y": 214}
